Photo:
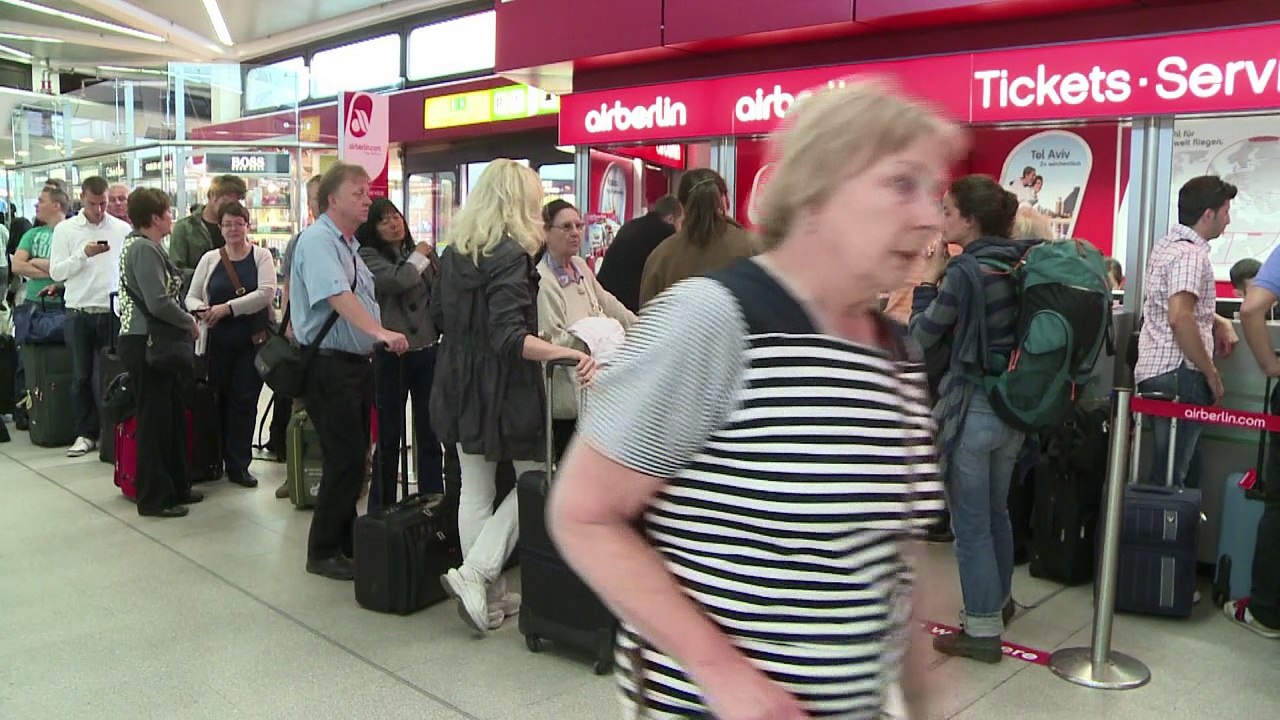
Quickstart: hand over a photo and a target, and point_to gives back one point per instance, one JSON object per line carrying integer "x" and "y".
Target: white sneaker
{"x": 81, "y": 447}
{"x": 1238, "y": 612}
{"x": 468, "y": 588}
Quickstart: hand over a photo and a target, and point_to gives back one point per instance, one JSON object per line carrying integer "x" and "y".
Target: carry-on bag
{"x": 49, "y": 395}
{"x": 557, "y": 605}
{"x": 304, "y": 462}
{"x": 1159, "y": 533}
{"x": 204, "y": 433}
{"x": 125, "y": 441}
{"x": 1068, "y": 497}
{"x": 8, "y": 373}
{"x": 1242, "y": 506}
{"x": 402, "y": 549}
{"x": 109, "y": 366}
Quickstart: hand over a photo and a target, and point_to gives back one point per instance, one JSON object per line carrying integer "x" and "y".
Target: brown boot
{"x": 962, "y": 644}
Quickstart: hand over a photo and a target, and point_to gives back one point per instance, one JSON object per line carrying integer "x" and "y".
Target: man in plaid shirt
{"x": 1180, "y": 327}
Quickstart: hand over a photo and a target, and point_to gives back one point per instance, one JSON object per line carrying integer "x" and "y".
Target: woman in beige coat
{"x": 567, "y": 293}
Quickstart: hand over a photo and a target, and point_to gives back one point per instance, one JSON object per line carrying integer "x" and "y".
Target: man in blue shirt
{"x": 327, "y": 276}
{"x": 1260, "y": 612}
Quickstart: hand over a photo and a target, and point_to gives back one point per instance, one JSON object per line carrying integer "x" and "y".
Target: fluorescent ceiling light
{"x": 103, "y": 24}
{"x": 140, "y": 71}
{"x": 219, "y": 25}
{"x": 21, "y": 55}
{"x": 28, "y": 38}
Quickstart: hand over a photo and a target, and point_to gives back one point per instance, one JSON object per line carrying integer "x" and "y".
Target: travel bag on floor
{"x": 557, "y": 605}
{"x": 48, "y": 369}
{"x": 1159, "y": 534}
{"x": 1242, "y": 511}
{"x": 8, "y": 372}
{"x": 124, "y": 440}
{"x": 204, "y": 433}
{"x": 303, "y": 468}
{"x": 109, "y": 366}
{"x": 1068, "y": 497}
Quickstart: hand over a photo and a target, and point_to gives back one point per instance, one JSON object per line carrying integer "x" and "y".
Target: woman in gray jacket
{"x": 150, "y": 286}
{"x": 402, "y": 277}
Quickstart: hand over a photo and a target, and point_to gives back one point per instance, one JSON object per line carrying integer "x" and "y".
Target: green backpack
{"x": 1064, "y": 317}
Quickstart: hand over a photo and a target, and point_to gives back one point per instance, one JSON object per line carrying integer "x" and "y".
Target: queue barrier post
{"x": 1098, "y": 666}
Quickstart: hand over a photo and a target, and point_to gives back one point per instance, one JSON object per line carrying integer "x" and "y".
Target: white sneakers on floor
{"x": 1238, "y": 612}
{"x": 81, "y": 447}
{"x": 482, "y": 606}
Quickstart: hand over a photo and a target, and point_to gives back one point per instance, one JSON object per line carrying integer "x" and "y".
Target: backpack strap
{"x": 766, "y": 306}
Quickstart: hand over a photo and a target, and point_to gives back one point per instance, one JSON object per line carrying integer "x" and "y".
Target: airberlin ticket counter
{"x": 1099, "y": 136}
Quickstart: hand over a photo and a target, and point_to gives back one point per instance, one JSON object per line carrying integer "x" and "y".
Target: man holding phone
{"x": 85, "y": 258}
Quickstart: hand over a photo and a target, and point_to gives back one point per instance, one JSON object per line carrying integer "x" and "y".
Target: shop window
{"x": 431, "y": 200}
{"x": 278, "y": 84}
{"x": 364, "y": 65}
{"x": 452, "y": 47}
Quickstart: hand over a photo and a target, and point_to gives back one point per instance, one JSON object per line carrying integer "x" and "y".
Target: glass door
{"x": 432, "y": 199}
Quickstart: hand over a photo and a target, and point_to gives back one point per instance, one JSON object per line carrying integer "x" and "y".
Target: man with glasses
{"x": 198, "y": 233}
{"x": 1180, "y": 329}
{"x": 85, "y": 258}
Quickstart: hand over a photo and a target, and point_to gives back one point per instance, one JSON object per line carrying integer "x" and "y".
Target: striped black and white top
{"x": 797, "y": 463}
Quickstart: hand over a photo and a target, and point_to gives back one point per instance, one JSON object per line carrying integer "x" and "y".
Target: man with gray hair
{"x": 118, "y": 201}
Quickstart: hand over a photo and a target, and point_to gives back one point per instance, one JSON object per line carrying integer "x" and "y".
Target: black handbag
{"x": 120, "y": 399}
{"x": 169, "y": 348}
{"x": 283, "y": 364}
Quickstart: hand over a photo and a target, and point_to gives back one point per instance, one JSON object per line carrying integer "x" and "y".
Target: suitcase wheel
{"x": 602, "y": 667}
{"x": 1222, "y": 582}
{"x": 535, "y": 643}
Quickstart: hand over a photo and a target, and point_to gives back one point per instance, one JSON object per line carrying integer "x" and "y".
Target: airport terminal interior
{"x": 1093, "y": 115}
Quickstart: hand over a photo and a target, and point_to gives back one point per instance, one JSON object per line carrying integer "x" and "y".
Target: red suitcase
{"x": 126, "y": 457}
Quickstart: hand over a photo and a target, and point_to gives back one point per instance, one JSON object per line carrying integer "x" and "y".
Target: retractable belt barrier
{"x": 1207, "y": 414}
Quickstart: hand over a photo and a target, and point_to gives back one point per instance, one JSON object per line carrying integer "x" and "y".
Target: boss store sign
{"x": 247, "y": 163}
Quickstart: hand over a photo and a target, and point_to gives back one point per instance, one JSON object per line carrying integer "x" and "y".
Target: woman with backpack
{"x": 977, "y": 449}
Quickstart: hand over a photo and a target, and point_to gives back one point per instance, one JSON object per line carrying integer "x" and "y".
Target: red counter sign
{"x": 1214, "y": 71}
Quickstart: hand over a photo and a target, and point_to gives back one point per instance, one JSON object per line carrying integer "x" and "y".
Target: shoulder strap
{"x": 231, "y": 271}
{"x": 329, "y": 322}
{"x": 766, "y": 306}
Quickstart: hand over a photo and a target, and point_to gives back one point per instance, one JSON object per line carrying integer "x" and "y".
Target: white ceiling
{"x": 256, "y": 27}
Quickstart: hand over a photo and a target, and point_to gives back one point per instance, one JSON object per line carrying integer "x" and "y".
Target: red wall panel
{"x": 539, "y": 32}
{"x": 692, "y": 20}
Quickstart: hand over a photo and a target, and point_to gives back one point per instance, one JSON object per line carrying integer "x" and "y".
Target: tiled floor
{"x": 109, "y": 615}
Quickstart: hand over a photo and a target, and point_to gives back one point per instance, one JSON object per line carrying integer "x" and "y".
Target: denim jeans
{"x": 1188, "y": 386}
{"x": 401, "y": 378}
{"x": 87, "y": 334}
{"x": 978, "y": 495}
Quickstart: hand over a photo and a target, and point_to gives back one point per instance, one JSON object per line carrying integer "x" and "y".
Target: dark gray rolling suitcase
{"x": 1159, "y": 534}
{"x": 557, "y": 606}
{"x": 48, "y": 370}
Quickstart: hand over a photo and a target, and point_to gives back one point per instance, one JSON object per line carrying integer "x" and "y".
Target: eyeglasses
{"x": 570, "y": 227}
{"x": 234, "y": 225}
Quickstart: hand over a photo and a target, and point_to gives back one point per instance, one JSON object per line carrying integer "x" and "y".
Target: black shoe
{"x": 22, "y": 423}
{"x": 962, "y": 644}
{"x": 4, "y": 433}
{"x": 173, "y": 511}
{"x": 1008, "y": 611}
{"x": 244, "y": 479}
{"x": 939, "y": 534}
{"x": 192, "y": 498}
{"x": 337, "y": 567}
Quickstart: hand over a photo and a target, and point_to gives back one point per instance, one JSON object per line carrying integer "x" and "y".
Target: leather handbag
{"x": 120, "y": 399}
{"x": 259, "y": 322}
{"x": 47, "y": 324}
{"x": 283, "y": 364}
{"x": 169, "y": 348}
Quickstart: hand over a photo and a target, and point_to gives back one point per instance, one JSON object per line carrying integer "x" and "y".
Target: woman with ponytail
{"x": 707, "y": 240}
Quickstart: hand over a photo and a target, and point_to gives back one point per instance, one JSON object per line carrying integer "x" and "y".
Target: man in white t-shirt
{"x": 85, "y": 258}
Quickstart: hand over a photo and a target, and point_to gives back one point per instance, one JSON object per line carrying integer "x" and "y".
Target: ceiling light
{"x": 103, "y": 24}
{"x": 50, "y": 147}
{"x": 10, "y": 161}
{"x": 28, "y": 38}
{"x": 219, "y": 24}
{"x": 117, "y": 68}
{"x": 23, "y": 153}
{"x": 86, "y": 140}
{"x": 21, "y": 55}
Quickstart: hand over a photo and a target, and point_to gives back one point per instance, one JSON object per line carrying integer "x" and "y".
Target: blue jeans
{"x": 1189, "y": 386}
{"x": 978, "y": 494}
{"x": 399, "y": 379}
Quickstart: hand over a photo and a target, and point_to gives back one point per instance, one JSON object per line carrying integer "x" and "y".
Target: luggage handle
{"x": 548, "y": 420}
{"x": 1135, "y": 455}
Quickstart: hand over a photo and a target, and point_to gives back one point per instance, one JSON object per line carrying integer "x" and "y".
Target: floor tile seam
{"x": 261, "y": 601}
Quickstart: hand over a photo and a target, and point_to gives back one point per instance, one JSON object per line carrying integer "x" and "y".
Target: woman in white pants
{"x": 488, "y": 394}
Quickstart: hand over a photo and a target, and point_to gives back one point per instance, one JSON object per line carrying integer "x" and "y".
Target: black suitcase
{"x": 557, "y": 605}
{"x": 204, "y": 433}
{"x": 402, "y": 550}
{"x": 8, "y": 373}
{"x": 1068, "y": 497}
{"x": 109, "y": 366}
{"x": 1159, "y": 533}
{"x": 49, "y": 392}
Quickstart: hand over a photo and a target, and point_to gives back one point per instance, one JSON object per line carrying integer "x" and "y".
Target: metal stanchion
{"x": 1098, "y": 666}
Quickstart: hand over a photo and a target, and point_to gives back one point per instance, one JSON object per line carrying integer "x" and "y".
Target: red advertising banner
{"x": 364, "y": 136}
{"x": 1212, "y": 71}
{"x": 1208, "y": 415}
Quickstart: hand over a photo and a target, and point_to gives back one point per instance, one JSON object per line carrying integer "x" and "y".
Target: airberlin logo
{"x": 360, "y": 116}
{"x": 663, "y": 113}
{"x": 773, "y": 105}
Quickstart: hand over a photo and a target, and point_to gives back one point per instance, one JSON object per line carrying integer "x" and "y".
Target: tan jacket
{"x": 676, "y": 259}
{"x": 558, "y": 309}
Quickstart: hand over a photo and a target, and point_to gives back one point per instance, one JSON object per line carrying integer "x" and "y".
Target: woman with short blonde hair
{"x": 487, "y": 396}
{"x": 753, "y": 461}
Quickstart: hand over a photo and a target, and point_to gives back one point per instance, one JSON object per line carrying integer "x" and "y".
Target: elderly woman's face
{"x": 880, "y": 221}
{"x": 564, "y": 237}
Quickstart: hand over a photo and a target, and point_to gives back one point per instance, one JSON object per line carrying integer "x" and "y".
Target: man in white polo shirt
{"x": 85, "y": 258}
